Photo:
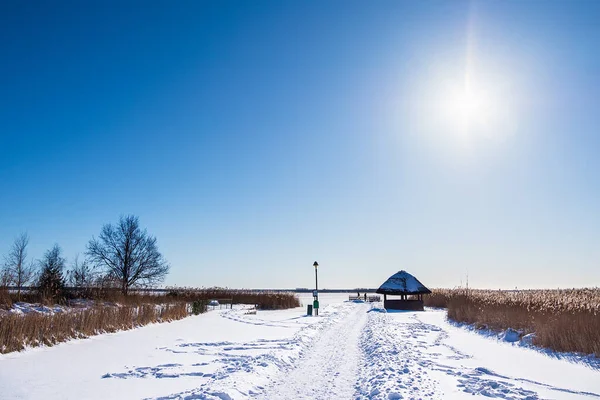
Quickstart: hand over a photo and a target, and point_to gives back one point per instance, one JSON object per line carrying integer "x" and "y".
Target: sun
{"x": 469, "y": 109}
{"x": 468, "y": 105}
{"x": 463, "y": 105}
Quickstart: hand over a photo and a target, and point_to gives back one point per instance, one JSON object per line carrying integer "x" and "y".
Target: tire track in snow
{"x": 328, "y": 370}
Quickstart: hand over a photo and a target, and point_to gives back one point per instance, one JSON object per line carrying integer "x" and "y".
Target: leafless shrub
{"x": 81, "y": 278}
{"x": 5, "y": 299}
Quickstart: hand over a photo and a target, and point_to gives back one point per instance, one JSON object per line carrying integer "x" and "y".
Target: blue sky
{"x": 253, "y": 138}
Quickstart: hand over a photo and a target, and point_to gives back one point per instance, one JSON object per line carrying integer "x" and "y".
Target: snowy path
{"x": 412, "y": 355}
{"x": 351, "y": 351}
{"x": 328, "y": 369}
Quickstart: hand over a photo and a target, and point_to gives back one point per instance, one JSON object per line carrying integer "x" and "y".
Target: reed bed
{"x": 5, "y": 299}
{"x": 37, "y": 329}
{"x": 267, "y": 300}
{"x": 264, "y": 300}
{"x": 107, "y": 310}
{"x": 566, "y": 320}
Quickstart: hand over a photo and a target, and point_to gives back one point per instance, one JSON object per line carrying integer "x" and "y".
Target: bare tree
{"x": 19, "y": 271}
{"x": 82, "y": 273}
{"x": 128, "y": 253}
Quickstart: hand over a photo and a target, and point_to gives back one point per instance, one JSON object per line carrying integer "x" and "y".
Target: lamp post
{"x": 316, "y": 293}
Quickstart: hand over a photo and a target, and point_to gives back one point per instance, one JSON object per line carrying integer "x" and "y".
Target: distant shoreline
{"x": 165, "y": 290}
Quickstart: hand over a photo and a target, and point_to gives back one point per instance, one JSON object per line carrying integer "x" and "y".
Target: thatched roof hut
{"x": 404, "y": 285}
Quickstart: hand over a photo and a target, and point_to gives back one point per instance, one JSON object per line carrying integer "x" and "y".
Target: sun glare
{"x": 469, "y": 110}
{"x": 463, "y": 104}
{"x": 467, "y": 105}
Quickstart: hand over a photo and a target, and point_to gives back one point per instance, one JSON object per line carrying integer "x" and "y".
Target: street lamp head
{"x": 316, "y": 264}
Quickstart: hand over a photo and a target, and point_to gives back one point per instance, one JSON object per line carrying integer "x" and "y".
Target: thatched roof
{"x": 402, "y": 283}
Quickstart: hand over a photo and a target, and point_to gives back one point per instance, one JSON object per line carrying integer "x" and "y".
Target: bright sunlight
{"x": 469, "y": 109}
{"x": 462, "y": 108}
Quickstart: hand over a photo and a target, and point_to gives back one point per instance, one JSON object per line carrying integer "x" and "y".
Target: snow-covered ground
{"x": 351, "y": 351}
{"x": 22, "y": 308}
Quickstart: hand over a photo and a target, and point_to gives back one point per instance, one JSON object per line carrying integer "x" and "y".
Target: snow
{"x": 510, "y": 335}
{"x": 329, "y": 367}
{"x": 22, "y": 308}
{"x": 350, "y": 351}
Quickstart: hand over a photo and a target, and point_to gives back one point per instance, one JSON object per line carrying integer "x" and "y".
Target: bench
{"x": 370, "y": 298}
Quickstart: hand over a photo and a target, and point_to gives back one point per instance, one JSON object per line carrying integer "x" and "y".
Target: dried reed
{"x": 562, "y": 320}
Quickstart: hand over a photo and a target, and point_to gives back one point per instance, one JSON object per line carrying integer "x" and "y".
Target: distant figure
{"x": 365, "y": 296}
{"x": 357, "y": 294}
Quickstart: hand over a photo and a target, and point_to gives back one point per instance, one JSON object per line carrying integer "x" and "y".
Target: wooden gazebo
{"x": 408, "y": 288}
